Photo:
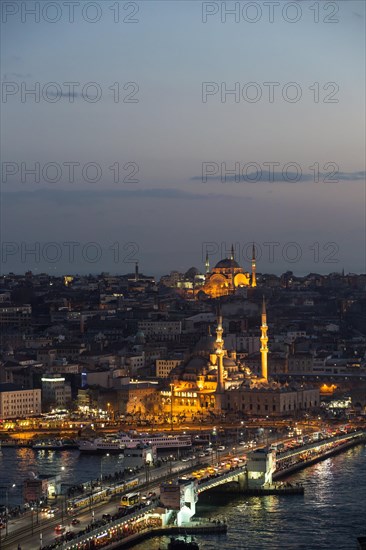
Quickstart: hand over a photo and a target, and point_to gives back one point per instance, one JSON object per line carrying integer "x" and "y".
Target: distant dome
{"x": 140, "y": 337}
{"x": 206, "y": 344}
{"x": 227, "y": 263}
{"x": 191, "y": 273}
{"x": 228, "y": 362}
{"x": 196, "y": 364}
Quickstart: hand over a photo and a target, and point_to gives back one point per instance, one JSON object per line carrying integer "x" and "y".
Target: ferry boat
{"x": 101, "y": 445}
{"x": 54, "y": 445}
{"x": 47, "y": 445}
{"x": 124, "y": 440}
{"x": 157, "y": 441}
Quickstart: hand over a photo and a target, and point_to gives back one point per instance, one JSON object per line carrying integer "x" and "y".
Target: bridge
{"x": 176, "y": 505}
{"x": 178, "y": 497}
{"x": 238, "y": 475}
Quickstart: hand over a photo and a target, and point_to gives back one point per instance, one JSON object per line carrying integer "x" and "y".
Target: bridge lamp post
{"x": 237, "y": 431}
{"x": 101, "y": 470}
{"x": 32, "y": 520}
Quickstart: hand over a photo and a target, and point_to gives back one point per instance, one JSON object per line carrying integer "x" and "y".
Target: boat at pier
{"x": 47, "y": 445}
{"x": 54, "y": 445}
{"x": 101, "y": 445}
{"x": 157, "y": 441}
{"x": 122, "y": 441}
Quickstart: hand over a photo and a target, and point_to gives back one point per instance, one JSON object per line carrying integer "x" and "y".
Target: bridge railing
{"x": 319, "y": 443}
{"x": 219, "y": 480}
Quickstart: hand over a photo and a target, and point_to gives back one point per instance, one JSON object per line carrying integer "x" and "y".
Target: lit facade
{"x": 55, "y": 392}
{"x": 216, "y": 382}
{"x": 18, "y": 403}
{"x": 165, "y": 366}
{"x": 227, "y": 276}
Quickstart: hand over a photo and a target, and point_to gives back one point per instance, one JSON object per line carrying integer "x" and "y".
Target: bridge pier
{"x": 260, "y": 467}
{"x": 243, "y": 481}
{"x": 180, "y": 496}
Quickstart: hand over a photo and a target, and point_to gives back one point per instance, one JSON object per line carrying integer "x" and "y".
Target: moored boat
{"x": 101, "y": 445}
{"x": 118, "y": 443}
{"x": 157, "y": 441}
{"x": 47, "y": 445}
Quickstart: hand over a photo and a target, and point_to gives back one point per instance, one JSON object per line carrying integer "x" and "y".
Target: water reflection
{"x": 19, "y": 464}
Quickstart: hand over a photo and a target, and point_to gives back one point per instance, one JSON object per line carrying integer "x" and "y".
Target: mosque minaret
{"x": 264, "y": 343}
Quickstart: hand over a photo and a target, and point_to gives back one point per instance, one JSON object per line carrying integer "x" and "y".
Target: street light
{"x": 147, "y": 472}
{"x": 32, "y": 519}
{"x": 101, "y": 470}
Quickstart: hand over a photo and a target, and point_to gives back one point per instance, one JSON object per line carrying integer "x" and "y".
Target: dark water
{"x": 19, "y": 464}
{"x": 330, "y": 515}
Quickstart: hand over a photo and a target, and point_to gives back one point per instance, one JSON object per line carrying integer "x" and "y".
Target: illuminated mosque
{"x": 214, "y": 382}
{"x": 227, "y": 276}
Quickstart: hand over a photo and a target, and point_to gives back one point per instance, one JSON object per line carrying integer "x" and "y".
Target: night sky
{"x": 121, "y": 152}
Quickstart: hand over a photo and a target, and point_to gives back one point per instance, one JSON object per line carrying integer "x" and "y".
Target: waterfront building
{"x": 16, "y": 402}
{"x": 56, "y": 392}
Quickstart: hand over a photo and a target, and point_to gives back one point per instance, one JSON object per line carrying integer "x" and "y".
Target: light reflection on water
{"x": 19, "y": 464}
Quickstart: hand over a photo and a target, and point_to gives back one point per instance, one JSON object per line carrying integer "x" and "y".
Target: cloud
{"x": 266, "y": 176}
{"x": 78, "y": 195}
{"x": 16, "y": 75}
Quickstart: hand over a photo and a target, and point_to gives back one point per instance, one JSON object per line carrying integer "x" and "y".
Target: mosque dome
{"x": 140, "y": 337}
{"x": 227, "y": 263}
{"x": 229, "y": 362}
{"x": 191, "y": 273}
{"x": 196, "y": 364}
{"x": 206, "y": 344}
